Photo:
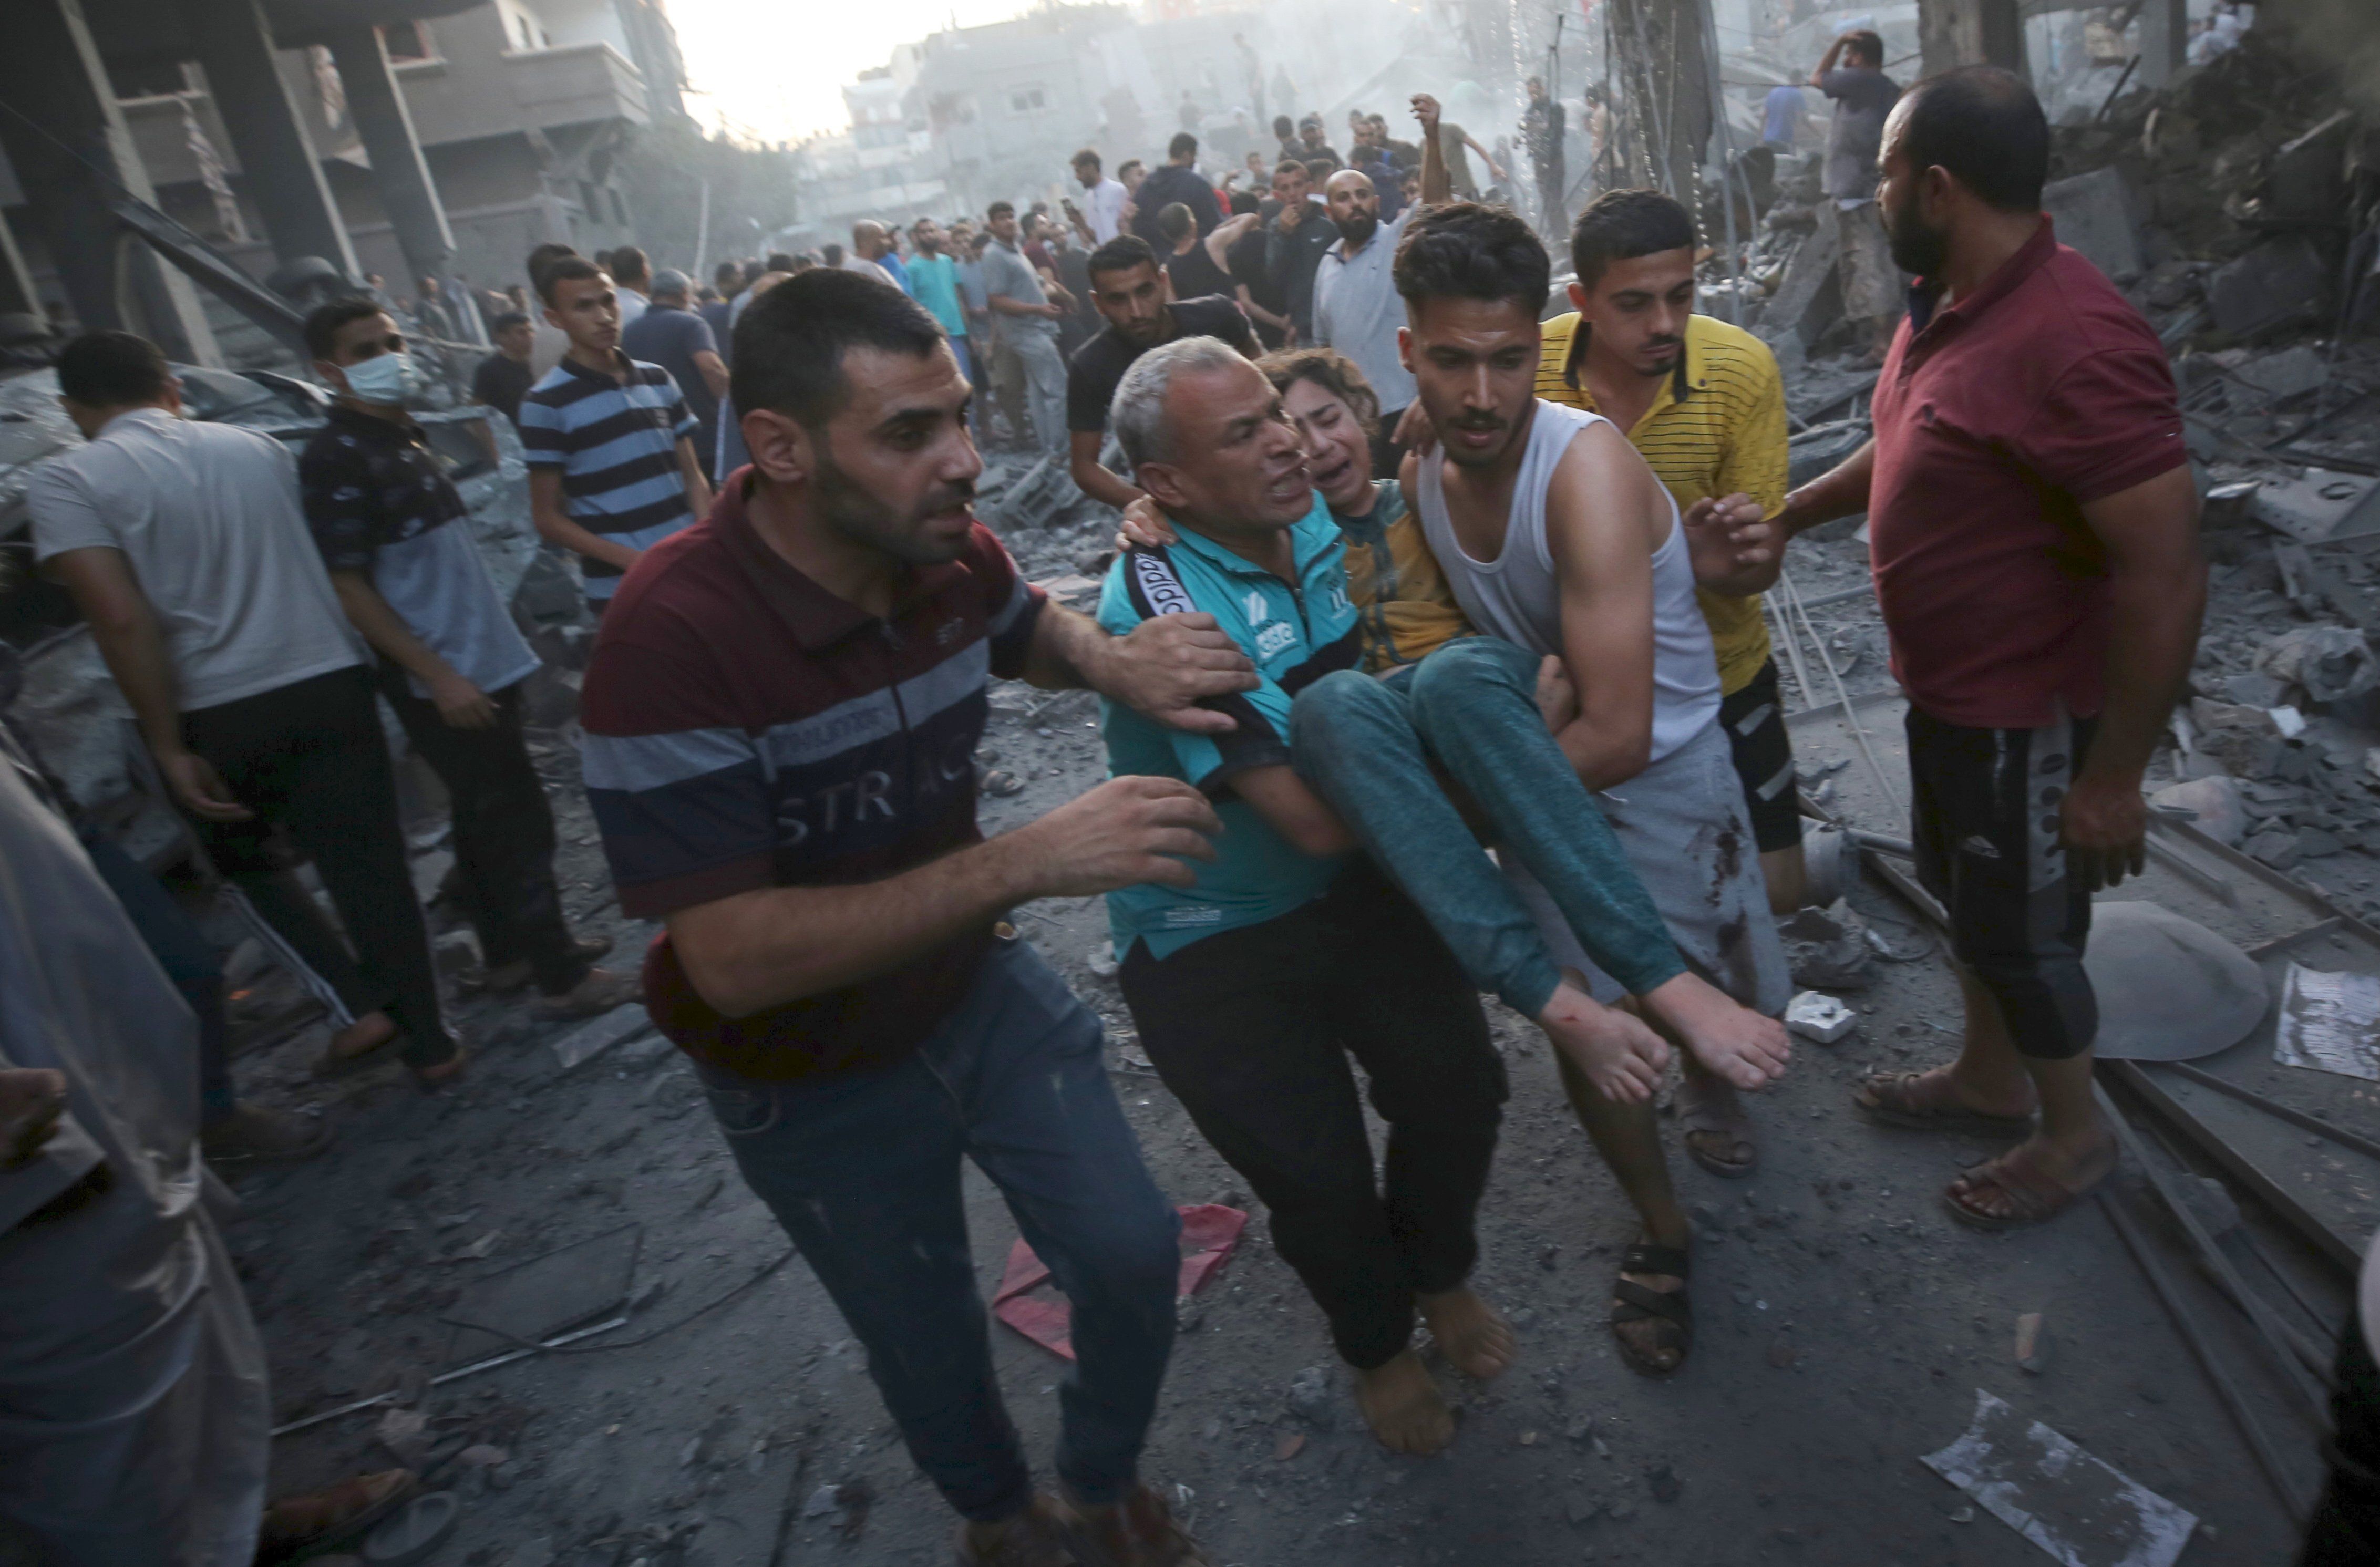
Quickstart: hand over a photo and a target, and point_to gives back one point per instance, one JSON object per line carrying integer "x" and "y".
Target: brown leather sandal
{"x": 2033, "y": 1197}
{"x": 1895, "y": 1098}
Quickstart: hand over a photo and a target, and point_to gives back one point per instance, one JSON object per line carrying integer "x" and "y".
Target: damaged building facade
{"x": 403, "y": 138}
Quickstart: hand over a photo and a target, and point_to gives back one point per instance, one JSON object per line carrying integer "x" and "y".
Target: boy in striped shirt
{"x": 611, "y": 465}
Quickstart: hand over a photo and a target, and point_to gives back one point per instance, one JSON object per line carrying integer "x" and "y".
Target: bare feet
{"x": 1940, "y": 1101}
{"x": 1736, "y": 1044}
{"x": 1616, "y": 1053}
{"x": 1403, "y": 1406}
{"x": 1474, "y": 1337}
{"x": 1711, "y": 1122}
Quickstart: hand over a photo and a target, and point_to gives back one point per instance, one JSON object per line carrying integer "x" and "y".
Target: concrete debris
{"x": 2292, "y": 372}
{"x": 2033, "y": 1342}
{"x": 1310, "y": 1397}
{"x": 2211, "y": 805}
{"x": 588, "y": 1040}
{"x": 2281, "y": 283}
{"x": 2320, "y": 506}
{"x": 1820, "y": 1018}
{"x": 1826, "y": 948}
{"x": 2331, "y": 663}
{"x": 2094, "y": 213}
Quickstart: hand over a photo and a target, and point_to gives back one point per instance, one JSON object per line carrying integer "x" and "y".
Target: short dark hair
{"x": 779, "y": 261}
{"x": 1291, "y": 165}
{"x": 1246, "y": 202}
{"x": 541, "y": 258}
{"x": 1174, "y": 219}
{"x": 1985, "y": 127}
{"x": 726, "y": 270}
{"x": 506, "y": 320}
{"x": 113, "y": 369}
{"x": 628, "y": 263}
{"x": 1184, "y": 145}
{"x": 1620, "y": 225}
{"x": 1128, "y": 165}
{"x": 1866, "y": 45}
{"x": 1000, "y": 210}
{"x": 1084, "y": 156}
{"x": 1331, "y": 371}
{"x": 565, "y": 269}
{"x": 1283, "y": 126}
{"x": 1468, "y": 250}
{"x": 1123, "y": 253}
{"x": 1319, "y": 169}
{"x": 322, "y": 326}
{"x": 791, "y": 341}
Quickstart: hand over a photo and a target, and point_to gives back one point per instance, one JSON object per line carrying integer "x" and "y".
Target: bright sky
{"x": 780, "y": 69}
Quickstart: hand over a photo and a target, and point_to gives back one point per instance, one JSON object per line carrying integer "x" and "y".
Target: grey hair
{"x": 1137, "y": 413}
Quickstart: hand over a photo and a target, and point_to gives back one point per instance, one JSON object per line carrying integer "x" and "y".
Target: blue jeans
{"x": 862, "y": 1169}
{"x": 1471, "y": 708}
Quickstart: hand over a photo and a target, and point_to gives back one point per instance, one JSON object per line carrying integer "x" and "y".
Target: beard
{"x": 1357, "y": 228}
{"x": 1916, "y": 250}
{"x": 850, "y": 509}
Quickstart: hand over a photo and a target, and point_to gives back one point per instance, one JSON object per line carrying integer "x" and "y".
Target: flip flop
{"x": 1632, "y": 1302}
{"x": 1891, "y": 1099}
{"x": 1699, "y": 1117}
{"x": 2035, "y": 1198}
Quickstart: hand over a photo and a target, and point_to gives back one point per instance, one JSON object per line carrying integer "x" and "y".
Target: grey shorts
{"x": 1687, "y": 833}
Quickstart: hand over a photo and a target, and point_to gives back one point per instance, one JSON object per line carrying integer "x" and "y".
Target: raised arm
{"x": 1219, "y": 242}
{"x": 1834, "y": 52}
{"x": 1437, "y": 185}
{"x": 1605, "y": 515}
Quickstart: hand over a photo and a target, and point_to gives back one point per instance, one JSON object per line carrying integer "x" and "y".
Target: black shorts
{"x": 1984, "y": 818}
{"x": 1755, "y": 721}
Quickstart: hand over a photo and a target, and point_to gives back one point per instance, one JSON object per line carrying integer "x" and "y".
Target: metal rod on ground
{"x": 2225, "y": 1391}
{"x": 1851, "y": 715}
{"x": 2273, "y": 1108}
{"x": 2269, "y": 1327}
{"x": 2327, "y": 1244}
{"x": 456, "y": 1375}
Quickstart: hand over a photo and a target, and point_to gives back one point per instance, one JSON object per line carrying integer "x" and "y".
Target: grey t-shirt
{"x": 1007, "y": 272}
{"x": 438, "y": 584}
{"x": 208, "y": 516}
{"x": 1862, "y": 98}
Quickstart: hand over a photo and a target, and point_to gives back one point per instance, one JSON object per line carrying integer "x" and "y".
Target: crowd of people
{"x": 1407, "y": 571}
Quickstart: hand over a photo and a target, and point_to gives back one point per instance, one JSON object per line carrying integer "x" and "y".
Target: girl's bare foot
{"x": 1619, "y": 1055}
{"x": 1474, "y": 1337}
{"x": 1737, "y": 1044}
{"x": 1403, "y": 1406}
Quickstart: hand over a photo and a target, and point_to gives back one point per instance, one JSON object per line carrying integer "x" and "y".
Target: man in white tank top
{"x": 1559, "y": 542}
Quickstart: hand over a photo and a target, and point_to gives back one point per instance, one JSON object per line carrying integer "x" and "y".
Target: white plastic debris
{"x": 2330, "y": 1023}
{"x": 1816, "y": 1016}
{"x": 2081, "y": 1510}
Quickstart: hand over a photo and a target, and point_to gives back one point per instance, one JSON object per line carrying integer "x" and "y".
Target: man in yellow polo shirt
{"x": 1704, "y": 403}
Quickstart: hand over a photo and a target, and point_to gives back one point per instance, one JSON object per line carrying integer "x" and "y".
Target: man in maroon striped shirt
{"x": 781, "y": 714}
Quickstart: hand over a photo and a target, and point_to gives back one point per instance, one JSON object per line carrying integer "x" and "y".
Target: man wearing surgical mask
{"x": 396, "y": 535}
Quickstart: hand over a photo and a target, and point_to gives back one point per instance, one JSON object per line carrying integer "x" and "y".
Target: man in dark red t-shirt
{"x": 781, "y": 714}
{"x": 2034, "y": 534}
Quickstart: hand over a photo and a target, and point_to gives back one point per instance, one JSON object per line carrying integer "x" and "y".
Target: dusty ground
{"x": 1845, "y": 1322}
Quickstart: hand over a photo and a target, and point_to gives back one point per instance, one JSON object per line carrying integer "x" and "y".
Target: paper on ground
{"x": 2330, "y": 1023}
{"x": 2079, "y": 1509}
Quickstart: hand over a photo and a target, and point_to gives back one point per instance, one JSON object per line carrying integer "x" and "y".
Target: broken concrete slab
{"x": 2280, "y": 281}
{"x": 2320, "y": 506}
{"x": 545, "y": 1296}
{"x": 2169, "y": 987}
{"x": 2330, "y": 661}
{"x": 2291, "y": 373}
{"x": 2212, "y": 805}
{"x": 2093, "y": 213}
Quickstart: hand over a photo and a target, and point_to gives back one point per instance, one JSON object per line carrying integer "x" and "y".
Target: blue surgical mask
{"x": 390, "y": 380}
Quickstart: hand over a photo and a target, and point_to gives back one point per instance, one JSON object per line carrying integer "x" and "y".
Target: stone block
{"x": 2093, "y": 213}
{"x": 2281, "y": 281}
